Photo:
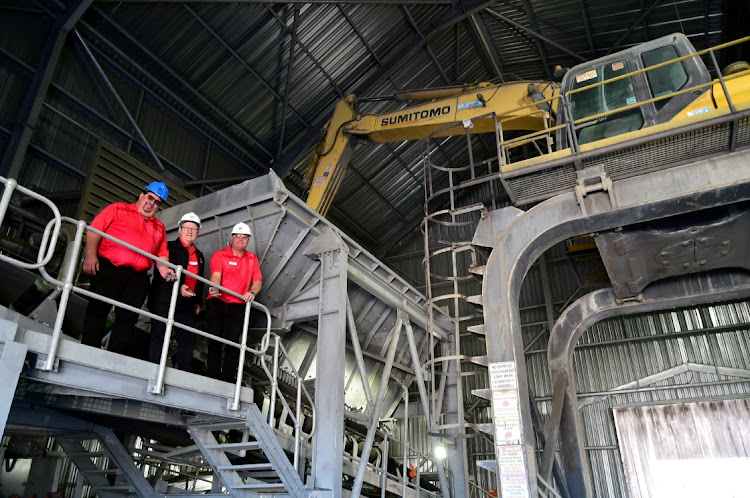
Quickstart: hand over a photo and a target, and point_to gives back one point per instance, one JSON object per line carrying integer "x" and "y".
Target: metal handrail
{"x": 547, "y": 487}
{"x": 297, "y": 415}
{"x": 68, "y": 287}
{"x": 10, "y": 186}
{"x": 481, "y": 490}
{"x": 404, "y": 478}
{"x": 564, "y": 99}
{"x": 49, "y": 240}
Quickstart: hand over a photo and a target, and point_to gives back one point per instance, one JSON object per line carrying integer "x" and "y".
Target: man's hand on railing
{"x": 249, "y": 296}
{"x": 166, "y": 272}
{"x": 90, "y": 265}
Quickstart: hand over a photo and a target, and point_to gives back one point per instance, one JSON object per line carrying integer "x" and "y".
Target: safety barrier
{"x": 70, "y": 263}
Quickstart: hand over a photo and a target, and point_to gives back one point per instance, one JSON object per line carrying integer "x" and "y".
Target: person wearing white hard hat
{"x": 237, "y": 269}
{"x": 120, "y": 273}
{"x": 182, "y": 252}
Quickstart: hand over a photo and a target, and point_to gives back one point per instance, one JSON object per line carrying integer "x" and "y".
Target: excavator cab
{"x": 626, "y": 92}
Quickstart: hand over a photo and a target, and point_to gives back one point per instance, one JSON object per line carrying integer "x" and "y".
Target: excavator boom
{"x": 511, "y": 104}
{"x": 607, "y": 99}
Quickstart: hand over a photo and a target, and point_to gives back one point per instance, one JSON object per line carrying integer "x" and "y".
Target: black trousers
{"x": 183, "y": 313}
{"x": 123, "y": 284}
{"x": 225, "y": 320}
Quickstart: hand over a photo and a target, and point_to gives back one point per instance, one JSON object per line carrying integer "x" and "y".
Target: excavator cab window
{"x": 605, "y": 98}
{"x": 667, "y": 79}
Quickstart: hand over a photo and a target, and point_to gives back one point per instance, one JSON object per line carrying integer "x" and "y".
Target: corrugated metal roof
{"x": 261, "y": 84}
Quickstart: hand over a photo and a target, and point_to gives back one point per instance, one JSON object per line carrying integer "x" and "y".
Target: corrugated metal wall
{"x": 674, "y": 356}
{"x": 688, "y": 450}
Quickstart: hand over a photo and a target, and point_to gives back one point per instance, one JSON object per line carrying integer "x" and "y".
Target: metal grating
{"x": 665, "y": 152}
{"x": 547, "y": 182}
{"x": 743, "y": 132}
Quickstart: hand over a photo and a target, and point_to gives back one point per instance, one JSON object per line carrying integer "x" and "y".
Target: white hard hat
{"x": 241, "y": 228}
{"x": 192, "y": 217}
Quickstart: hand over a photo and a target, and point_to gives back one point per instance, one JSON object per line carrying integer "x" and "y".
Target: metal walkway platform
{"x": 336, "y": 310}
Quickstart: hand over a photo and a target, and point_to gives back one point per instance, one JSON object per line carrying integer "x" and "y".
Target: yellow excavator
{"x": 649, "y": 84}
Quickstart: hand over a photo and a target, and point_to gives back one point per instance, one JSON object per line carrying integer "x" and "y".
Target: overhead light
{"x": 440, "y": 452}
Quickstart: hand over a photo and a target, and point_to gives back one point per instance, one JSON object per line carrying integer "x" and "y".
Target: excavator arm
{"x": 474, "y": 106}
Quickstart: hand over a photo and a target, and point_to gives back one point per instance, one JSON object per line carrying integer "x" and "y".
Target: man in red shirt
{"x": 238, "y": 270}
{"x": 182, "y": 251}
{"x": 120, "y": 273}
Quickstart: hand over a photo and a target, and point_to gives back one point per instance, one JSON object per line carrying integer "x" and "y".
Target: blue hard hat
{"x": 159, "y": 189}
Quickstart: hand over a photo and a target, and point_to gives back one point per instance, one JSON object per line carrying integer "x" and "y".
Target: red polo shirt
{"x": 192, "y": 266}
{"x": 237, "y": 274}
{"x": 122, "y": 220}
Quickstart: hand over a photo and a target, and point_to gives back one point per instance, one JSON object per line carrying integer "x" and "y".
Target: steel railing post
{"x": 10, "y": 186}
{"x": 71, "y": 261}
{"x": 404, "y": 473}
{"x": 297, "y": 424}
{"x": 241, "y": 367}
{"x": 158, "y": 388}
{"x": 274, "y": 381}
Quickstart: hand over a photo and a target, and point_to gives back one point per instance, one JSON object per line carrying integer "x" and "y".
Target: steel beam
{"x": 587, "y": 24}
{"x": 119, "y": 100}
{"x": 690, "y": 290}
{"x": 635, "y": 24}
{"x": 424, "y": 399}
{"x": 298, "y": 2}
{"x": 533, "y": 33}
{"x": 375, "y": 412}
{"x": 28, "y": 117}
{"x": 328, "y": 441}
{"x": 485, "y": 46}
{"x": 455, "y": 13}
{"x": 237, "y": 126}
{"x": 701, "y": 185}
{"x": 455, "y": 420}
{"x": 529, "y": 10}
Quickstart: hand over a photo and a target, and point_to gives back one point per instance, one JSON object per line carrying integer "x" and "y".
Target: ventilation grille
{"x": 117, "y": 177}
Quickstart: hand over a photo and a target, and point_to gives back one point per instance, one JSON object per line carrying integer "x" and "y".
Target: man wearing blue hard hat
{"x": 120, "y": 273}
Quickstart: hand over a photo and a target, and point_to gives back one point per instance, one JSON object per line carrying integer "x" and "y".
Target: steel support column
{"x": 704, "y": 184}
{"x": 28, "y": 117}
{"x": 328, "y": 442}
{"x": 425, "y": 400}
{"x": 690, "y": 290}
{"x": 455, "y": 417}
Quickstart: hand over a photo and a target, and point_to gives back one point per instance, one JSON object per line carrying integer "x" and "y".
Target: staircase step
{"x": 116, "y": 488}
{"x": 222, "y": 426}
{"x": 86, "y": 453}
{"x": 102, "y": 471}
{"x": 486, "y": 428}
{"x": 490, "y": 465}
{"x": 249, "y": 445}
{"x": 479, "y": 360}
{"x": 247, "y": 467}
{"x": 261, "y": 474}
{"x": 477, "y": 270}
{"x": 477, "y": 329}
{"x": 482, "y": 393}
{"x": 475, "y": 300}
{"x": 263, "y": 486}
